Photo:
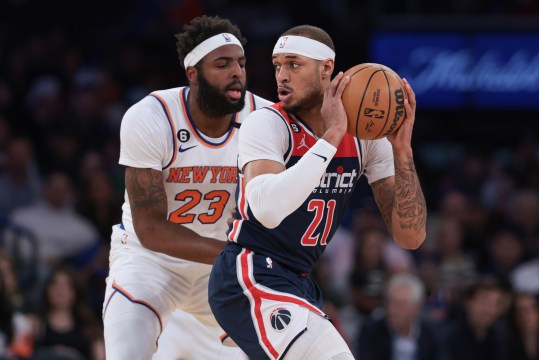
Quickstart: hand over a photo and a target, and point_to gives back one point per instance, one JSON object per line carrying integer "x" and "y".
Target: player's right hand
{"x": 333, "y": 110}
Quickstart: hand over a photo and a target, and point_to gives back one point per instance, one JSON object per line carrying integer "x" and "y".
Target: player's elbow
{"x": 269, "y": 217}
{"x": 410, "y": 241}
{"x": 144, "y": 231}
{"x": 262, "y": 202}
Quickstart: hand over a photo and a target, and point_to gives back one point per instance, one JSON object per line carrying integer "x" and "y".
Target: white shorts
{"x": 135, "y": 270}
{"x": 185, "y": 338}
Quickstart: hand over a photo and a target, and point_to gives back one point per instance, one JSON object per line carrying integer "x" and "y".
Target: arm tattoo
{"x": 409, "y": 200}
{"x": 145, "y": 189}
{"x": 383, "y": 194}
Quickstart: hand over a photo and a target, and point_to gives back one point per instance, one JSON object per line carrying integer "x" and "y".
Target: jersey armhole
{"x": 288, "y": 152}
{"x": 171, "y": 123}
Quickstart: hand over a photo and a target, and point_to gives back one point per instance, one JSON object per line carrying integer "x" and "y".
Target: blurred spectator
{"x": 401, "y": 334}
{"x": 477, "y": 334}
{"x": 61, "y": 233}
{"x": 454, "y": 204}
{"x": 66, "y": 328}
{"x": 524, "y": 277}
{"x": 6, "y": 315}
{"x": 5, "y": 133}
{"x": 44, "y": 99}
{"x": 471, "y": 174}
{"x": 456, "y": 268}
{"x": 20, "y": 182}
{"x": 497, "y": 188}
{"x": 505, "y": 251}
{"x": 91, "y": 162}
{"x": 339, "y": 260}
{"x": 10, "y": 284}
{"x": 367, "y": 216}
{"x": 370, "y": 272}
{"x": 366, "y": 282}
{"x": 523, "y": 212}
{"x": 99, "y": 204}
{"x": 15, "y": 326}
{"x": 524, "y": 327}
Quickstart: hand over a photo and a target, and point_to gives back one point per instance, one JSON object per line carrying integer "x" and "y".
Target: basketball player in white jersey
{"x": 179, "y": 147}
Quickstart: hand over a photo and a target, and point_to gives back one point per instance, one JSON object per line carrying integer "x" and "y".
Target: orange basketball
{"x": 374, "y": 101}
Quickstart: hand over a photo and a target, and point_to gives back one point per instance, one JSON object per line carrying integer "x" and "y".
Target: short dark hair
{"x": 484, "y": 283}
{"x": 202, "y": 28}
{"x": 311, "y": 32}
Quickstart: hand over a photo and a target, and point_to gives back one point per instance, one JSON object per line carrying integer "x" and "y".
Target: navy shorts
{"x": 260, "y": 304}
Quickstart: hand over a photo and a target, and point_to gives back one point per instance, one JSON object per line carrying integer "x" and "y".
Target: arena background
{"x": 69, "y": 70}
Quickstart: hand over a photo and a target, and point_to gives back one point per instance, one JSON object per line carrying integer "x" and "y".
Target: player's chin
{"x": 235, "y": 105}
{"x": 289, "y": 106}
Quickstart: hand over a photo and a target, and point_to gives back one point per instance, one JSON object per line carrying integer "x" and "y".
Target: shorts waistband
{"x": 237, "y": 248}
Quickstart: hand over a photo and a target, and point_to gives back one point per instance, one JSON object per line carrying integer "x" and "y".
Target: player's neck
{"x": 313, "y": 118}
{"x": 214, "y": 127}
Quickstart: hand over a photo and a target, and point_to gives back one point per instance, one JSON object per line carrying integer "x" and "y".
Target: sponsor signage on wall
{"x": 464, "y": 69}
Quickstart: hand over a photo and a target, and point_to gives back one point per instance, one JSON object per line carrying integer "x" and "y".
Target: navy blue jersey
{"x": 301, "y": 238}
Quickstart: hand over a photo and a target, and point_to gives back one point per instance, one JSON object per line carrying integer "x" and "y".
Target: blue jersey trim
{"x": 171, "y": 128}
{"x": 201, "y": 137}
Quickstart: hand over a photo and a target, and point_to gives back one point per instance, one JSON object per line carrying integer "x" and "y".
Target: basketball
{"x": 374, "y": 101}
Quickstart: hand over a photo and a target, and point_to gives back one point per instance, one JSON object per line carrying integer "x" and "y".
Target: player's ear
{"x": 191, "y": 73}
{"x": 327, "y": 68}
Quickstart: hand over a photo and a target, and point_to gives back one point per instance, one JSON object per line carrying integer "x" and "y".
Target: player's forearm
{"x": 409, "y": 213}
{"x": 272, "y": 197}
{"x": 178, "y": 241}
{"x": 148, "y": 201}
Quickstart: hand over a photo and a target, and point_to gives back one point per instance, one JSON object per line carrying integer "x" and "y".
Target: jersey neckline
{"x": 201, "y": 137}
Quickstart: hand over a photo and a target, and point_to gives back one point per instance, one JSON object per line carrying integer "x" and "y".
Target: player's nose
{"x": 282, "y": 75}
{"x": 237, "y": 70}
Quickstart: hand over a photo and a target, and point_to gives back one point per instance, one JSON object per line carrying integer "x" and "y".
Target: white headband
{"x": 207, "y": 46}
{"x": 303, "y": 46}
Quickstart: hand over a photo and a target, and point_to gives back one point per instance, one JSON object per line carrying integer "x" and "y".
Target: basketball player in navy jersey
{"x": 179, "y": 147}
{"x": 298, "y": 170}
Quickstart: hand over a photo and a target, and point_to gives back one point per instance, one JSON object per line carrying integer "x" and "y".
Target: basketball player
{"x": 179, "y": 147}
{"x": 291, "y": 199}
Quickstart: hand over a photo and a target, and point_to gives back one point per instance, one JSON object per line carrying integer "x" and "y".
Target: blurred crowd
{"x": 68, "y": 72}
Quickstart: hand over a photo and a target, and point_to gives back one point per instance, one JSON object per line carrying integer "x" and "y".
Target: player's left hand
{"x": 402, "y": 138}
{"x": 232, "y": 217}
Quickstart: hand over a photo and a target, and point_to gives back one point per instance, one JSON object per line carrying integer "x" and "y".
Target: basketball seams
{"x": 388, "y": 103}
{"x": 358, "y": 113}
{"x": 360, "y": 107}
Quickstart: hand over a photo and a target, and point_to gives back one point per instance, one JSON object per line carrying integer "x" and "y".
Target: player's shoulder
{"x": 166, "y": 94}
{"x": 263, "y": 121}
{"x": 264, "y": 113}
{"x": 155, "y": 100}
{"x": 252, "y": 103}
{"x": 151, "y": 106}
{"x": 258, "y": 101}
{"x": 376, "y": 149}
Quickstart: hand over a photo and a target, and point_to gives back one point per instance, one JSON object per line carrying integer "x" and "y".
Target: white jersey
{"x": 199, "y": 177}
{"x": 199, "y": 172}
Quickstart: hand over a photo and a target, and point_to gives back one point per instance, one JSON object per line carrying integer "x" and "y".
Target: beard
{"x": 212, "y": 100}
{"x": 313, "y": 97}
